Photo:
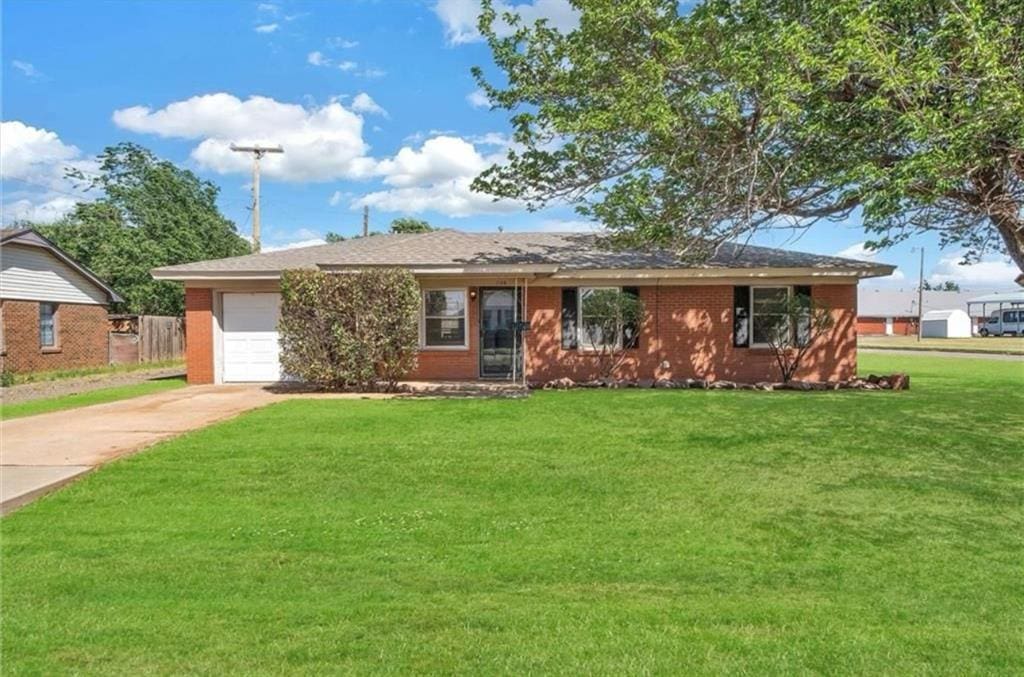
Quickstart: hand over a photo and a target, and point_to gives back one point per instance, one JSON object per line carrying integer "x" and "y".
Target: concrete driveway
{"x": 40, "y": 453}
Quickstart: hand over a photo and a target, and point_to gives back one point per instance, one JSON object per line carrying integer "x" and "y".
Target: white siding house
{"x": 34, "y": 273}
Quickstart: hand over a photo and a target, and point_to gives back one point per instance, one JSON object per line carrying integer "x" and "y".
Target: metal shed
{"x": 946, "y": 324}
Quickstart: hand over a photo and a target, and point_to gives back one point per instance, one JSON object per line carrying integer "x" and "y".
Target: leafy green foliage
{"x": 150, "y": 213}
{"x": 690, "y": 130}
{"x": 350, "y": 331}
{"x": 406, "y": 224}
{"x": 332, "y": 237}
{"x": 948, "y": 285}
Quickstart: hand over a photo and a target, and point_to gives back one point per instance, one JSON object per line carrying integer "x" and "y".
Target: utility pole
{"x": 366, "y": 221}
{"x": 920, "y": 295}
{"x": 257, "y": 153}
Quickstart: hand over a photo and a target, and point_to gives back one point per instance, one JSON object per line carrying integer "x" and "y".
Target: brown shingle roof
{"x": 567, "y": 251}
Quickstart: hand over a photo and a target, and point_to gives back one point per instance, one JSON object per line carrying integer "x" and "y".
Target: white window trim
{"x": 581, "y": 335}
{"x": 465, "y": 317}
{"x": 789, "y": 292}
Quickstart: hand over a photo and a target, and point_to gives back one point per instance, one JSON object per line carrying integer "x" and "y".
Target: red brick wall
{"x": 199, "y": 335}
{"x": 454, "y": 364}
{"x": 688, "y": 334}
{"x": 866, "y": 326}
{"x": 81, "y": 337}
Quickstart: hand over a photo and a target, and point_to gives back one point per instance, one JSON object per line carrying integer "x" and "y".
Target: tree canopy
{"x": 150, "y": 213}
{"x": 406, "y": 224}
{"x": 688, "y": 130}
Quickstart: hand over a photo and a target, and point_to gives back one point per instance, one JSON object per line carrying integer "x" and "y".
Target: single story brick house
{"x": 508, "y": 305}
{"x": 53, "y": 310}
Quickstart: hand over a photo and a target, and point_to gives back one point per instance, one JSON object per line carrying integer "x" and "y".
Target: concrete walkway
{"x": 41, "y": 453}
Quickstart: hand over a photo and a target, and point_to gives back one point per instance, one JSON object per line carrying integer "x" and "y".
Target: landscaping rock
{"x": 900, "y": 381}
{"x": 563, "y": 383}
{"x": 645, "y": 383}
{"x": 664, "y": 383}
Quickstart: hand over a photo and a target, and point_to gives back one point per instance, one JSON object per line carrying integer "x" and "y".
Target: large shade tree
{"x": 689, "y": 127}
{"x": 148, "y": 213}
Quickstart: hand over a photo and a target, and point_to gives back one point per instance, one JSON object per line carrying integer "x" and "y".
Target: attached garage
{"x": 250, "y": 341}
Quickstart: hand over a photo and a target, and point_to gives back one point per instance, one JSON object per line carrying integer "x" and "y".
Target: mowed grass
{"x": 597, "y": 532}
{"x": 42, "y": 406}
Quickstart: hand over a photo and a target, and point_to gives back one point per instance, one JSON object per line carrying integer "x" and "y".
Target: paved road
{"x": 947, "y": 353}
{"x": 41, "y": 453}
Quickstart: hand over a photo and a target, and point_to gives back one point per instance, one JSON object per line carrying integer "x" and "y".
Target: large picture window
{"x": 444, "y": 318}
{"x": 48, "y": 325}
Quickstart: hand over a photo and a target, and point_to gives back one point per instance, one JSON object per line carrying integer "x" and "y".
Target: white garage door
{"x": 250, "y": 337}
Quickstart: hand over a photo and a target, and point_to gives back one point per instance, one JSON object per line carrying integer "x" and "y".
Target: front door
{"x": 499, "y": 344}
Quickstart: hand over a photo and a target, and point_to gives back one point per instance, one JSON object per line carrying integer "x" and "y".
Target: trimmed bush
{"x": 349, "y": 331}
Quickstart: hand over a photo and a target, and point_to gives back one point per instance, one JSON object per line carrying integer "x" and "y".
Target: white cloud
{"x": 335, "y": 199}
{"x": 342, "y": 43}
{"x": 45, "y": 209}
{"x": 435, "y": 177}
{"x": 478, "y": 99}
{"x": 451, "y": 198}
{"x": 993, "y": 271}
{"x": 570, "y": 226}
{"x": 372, "y": 73}
{"x": 32, "y": 154}
{"x": 267, "y": 28}
{"x": 459, "y": 17}
{"x": 859, "y": 251}
{"x": 439, "y": 159}
{"x": 364, "y": 103}
{"x": 268, "y": 7}
{"x": 27, "y": 69}
{"x": 311, "y": 242}
{"x": 347, "y": 65}
{"x": 317, "y": 59}
{"x": 320, "y": 143}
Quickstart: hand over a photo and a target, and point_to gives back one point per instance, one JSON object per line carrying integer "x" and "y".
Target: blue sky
{"x": 372, "y": 100}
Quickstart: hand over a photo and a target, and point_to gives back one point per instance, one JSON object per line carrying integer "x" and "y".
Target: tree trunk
{"x": 1011, "y": 227}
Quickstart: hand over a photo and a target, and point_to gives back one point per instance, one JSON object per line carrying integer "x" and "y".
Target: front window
{"x": 595, "y": 332}
{"x": 444, "y": 318}
{"x": 47, "y": 325}
{"x": 768, "y": 306}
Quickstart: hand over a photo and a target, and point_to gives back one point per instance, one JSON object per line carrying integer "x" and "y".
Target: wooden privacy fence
{"x": 146, "y": 338}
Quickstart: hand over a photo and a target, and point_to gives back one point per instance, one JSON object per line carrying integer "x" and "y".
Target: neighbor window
{"x": 47, "y": 325}
{"x": 444, "y": 318}
{"x": 591, "y": 336}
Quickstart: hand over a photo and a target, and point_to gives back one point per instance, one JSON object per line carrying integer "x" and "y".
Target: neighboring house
{"x": 894, "y": 312}
{"x": 53, "y": 311}
{"x": 701, "y": 321}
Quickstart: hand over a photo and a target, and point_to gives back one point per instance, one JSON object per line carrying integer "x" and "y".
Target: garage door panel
{"x": 250, "y": 339}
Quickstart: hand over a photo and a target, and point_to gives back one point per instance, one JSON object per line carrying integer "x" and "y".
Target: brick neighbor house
{"x": 53, "y": 310}
{"x": 508, "y": 305}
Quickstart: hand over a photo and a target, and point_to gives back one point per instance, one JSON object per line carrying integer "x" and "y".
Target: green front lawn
{"x": 598, "y": 532}
{"x": 9, "y": 411}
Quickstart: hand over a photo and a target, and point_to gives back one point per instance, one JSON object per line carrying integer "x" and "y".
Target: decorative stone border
{"x": 899, "y": 381}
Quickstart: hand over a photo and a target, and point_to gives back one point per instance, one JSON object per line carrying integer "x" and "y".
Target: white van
{"x": 1004, "y": 322}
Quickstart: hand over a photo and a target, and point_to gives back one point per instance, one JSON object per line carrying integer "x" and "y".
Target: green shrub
{"x": 6, "y": 378}
{"x": 355, "y": 330}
